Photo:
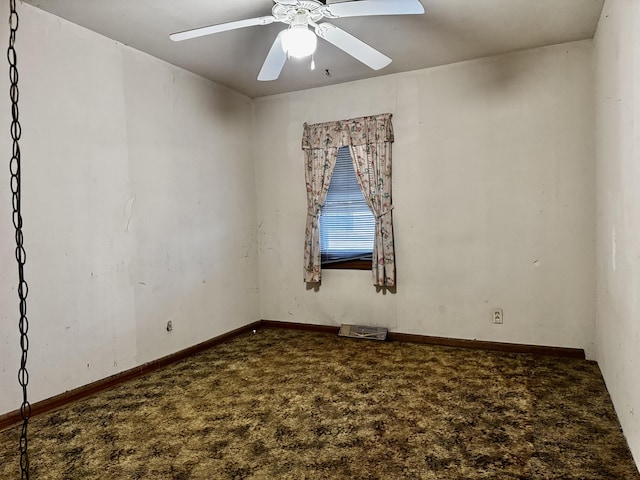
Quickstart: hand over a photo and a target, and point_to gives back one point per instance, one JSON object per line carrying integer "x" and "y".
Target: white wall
{"x": 617, "y": 53}
{"x": 494, "y": 200}
{"x": 139, "y": 206}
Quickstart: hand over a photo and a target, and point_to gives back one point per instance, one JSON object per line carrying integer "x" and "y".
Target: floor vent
{"x": 359, "y": 331}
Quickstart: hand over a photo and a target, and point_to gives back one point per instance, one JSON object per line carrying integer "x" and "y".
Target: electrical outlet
{"x": 169, "y": 326}
{"x": 496, "y": 315}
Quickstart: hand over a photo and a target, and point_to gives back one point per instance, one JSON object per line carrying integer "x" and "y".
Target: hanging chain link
{"x": 14, "y": 168}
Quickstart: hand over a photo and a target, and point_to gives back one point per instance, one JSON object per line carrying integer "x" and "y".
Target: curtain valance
{"x": 343, "y": 133}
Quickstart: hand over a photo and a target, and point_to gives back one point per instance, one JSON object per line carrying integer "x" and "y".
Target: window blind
{"x": 347, "y": 226}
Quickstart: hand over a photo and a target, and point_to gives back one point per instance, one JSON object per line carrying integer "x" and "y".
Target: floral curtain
{"x": 369, "y": 139}
{"x": 372, "y": 164}
{"x": 319, "y": 168}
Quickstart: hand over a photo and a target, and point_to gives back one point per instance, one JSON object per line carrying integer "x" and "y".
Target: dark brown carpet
{"x": 295, "y": 405}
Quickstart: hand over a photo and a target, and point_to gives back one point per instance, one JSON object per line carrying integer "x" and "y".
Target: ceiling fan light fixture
{"x": 299, "y": 42}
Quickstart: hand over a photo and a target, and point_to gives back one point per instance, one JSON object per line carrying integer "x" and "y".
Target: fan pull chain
{"x": 14, "y": 168}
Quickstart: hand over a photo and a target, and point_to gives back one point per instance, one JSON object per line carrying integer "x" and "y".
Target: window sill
{"x": 348, "y": 265}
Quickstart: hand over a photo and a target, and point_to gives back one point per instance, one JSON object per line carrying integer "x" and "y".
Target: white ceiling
{"x": 449, "y": 31}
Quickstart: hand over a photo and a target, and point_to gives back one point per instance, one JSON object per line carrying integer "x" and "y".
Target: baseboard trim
{"x": 564, "y": 352}
{"x": 55, "y": 403}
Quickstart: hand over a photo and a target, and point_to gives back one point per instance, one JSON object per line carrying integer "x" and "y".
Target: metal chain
{"x": 14, "y": 168}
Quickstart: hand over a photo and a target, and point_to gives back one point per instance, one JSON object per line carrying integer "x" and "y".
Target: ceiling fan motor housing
{"x": 311, "y": 10}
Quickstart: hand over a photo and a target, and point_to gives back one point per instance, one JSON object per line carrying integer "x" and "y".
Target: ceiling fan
{"x": 298, "y": 41}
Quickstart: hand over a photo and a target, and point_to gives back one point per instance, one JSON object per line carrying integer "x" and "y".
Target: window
{"x": 347, "y": 226}
{"x": 369, "y": 138}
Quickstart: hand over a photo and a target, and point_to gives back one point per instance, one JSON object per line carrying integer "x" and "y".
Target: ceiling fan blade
{"x": 222, "y": 27}
{"x": 375, "y": 7}
{"x": 353, "y": 46}
{"x": 274, "y": 62}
